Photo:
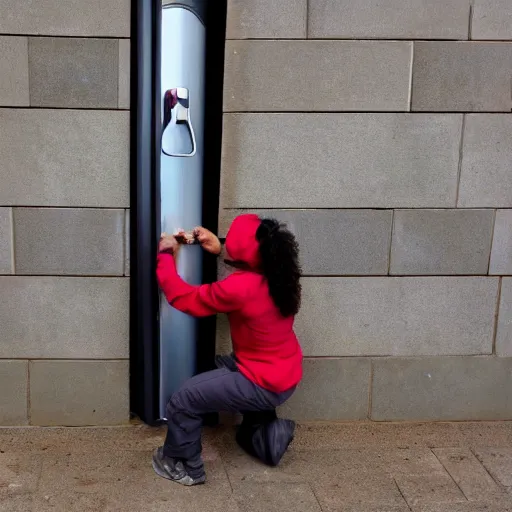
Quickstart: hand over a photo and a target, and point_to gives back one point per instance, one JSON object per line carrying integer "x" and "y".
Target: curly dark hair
{"x": 279, "y": 253}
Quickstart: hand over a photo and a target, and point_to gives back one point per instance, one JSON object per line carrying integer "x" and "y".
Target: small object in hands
{"x": 186, "y": 237}
{"x": 168, "y": 243}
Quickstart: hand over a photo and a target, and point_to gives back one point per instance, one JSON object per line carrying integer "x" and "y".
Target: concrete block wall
{"x": 381, "y": 133}
{"x": 64, "y": 203}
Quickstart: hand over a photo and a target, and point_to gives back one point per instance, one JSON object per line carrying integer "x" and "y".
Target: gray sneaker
{"x": 174, "y": 470}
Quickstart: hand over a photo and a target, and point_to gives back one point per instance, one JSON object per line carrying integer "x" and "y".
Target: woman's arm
{"x": 205, "y": 300}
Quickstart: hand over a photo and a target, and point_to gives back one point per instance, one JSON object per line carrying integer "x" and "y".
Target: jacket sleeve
{"x": 208, "y": 299}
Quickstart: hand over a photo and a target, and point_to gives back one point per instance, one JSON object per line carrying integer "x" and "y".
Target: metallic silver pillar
{"x": 181, "y": 176}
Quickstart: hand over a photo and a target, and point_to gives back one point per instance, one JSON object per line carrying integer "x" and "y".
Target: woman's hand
{"x": 209, "y": 242}
{"x": 168, "y": 243}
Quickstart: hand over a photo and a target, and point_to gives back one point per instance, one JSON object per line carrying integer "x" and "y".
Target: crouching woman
{"x": 261, "y": 298}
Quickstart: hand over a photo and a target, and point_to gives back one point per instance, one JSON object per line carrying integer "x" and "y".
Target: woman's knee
{"x": 184, "y": 401}
{"x": 174, "y": 405}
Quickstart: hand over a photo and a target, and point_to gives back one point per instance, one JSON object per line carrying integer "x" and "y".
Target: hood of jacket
{"x": 241, "y": 243}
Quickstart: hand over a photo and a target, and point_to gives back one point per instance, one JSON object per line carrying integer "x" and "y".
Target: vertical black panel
{"x": 143, "y": 233}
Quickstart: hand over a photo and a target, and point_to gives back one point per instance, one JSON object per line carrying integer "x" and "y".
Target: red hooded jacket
{"x": 264, "y": 343}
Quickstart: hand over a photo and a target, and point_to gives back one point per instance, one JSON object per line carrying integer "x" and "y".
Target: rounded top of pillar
{"x": 198, "y": 7}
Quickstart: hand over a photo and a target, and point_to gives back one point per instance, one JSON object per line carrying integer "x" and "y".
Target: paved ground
{"x": 448, "y": 467}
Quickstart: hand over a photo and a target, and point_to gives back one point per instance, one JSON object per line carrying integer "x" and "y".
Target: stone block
{"x": 492, "y": 19}
{"x": 127, "y": 243}
{"x": 486, "y": 173}
{"x": 74, "y": 393}
{"x": 14, "y": 71}
{"x": 13, "y": 398}
{"x": 434, "y": 242}
{"x": 267, "y": 19}
{"x": 317, "y": 76}
{"x": 64, "y": 317}
{"x": 223, "y": 343}
{"x": 6, "y": 250}
{"x": 124, "y": 74}
{"x": 409, "y": 19}
{"x": 73, "y": 72}
{"x": 74, "y": 18}
{"x": 340, "y": 160}
{"x": 461, "y": 77}
{"x": 501, "y": 256}
{"x": 334, "y": 242}
{"x": 397, "y": 316}
{"x": 65, "y": 241}
{"x": 64, "y": 157}
{"x": 332, "y": 389}
{"x": 504, "y": 329}
{"x": 442, "y": 389}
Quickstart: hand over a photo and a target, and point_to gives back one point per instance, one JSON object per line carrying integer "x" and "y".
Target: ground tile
{"x": 357, "y": 489}
{"x": 352, "y": 435}
{"x": 241, "y": 468}
{"x": 16, "y": 503}
{"x": 120, "y": 472}
{"x": 285, "y": 497}
{"x": 178, "y": 499}
{"x": 471, "y": 477}
{"x": 365, "y": 507}
{"x": 68, "y": 501}
{"x": 425, "y": 489}
{"x": 412, "y": 462}
{"x": 108, "y": 481}
{"x": 498, "y": 461}
{"x": 80, "y": 439}
{"x": 479, "y": 433}
{"x": 380, "y": 435}
{"x": 297, "y": 465}
{"x": 19, "y": 474}
{"x": 469, "y": 506}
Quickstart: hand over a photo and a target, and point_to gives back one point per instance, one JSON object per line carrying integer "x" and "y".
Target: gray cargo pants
{"x": 222, "y": 390}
